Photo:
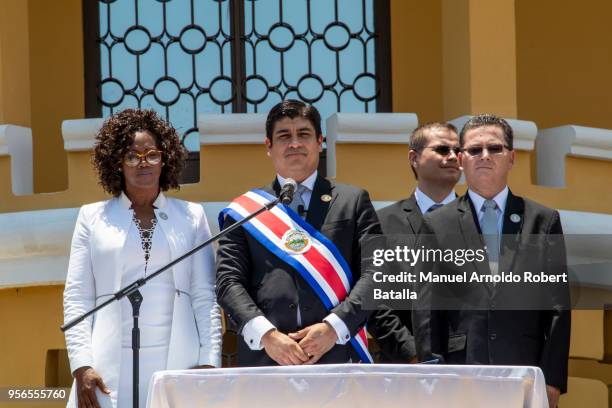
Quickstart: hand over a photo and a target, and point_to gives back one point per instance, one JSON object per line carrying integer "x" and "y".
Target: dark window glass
{"x": 184, "y": 57}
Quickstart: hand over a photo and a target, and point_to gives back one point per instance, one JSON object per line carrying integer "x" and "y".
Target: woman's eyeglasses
{"x": 491, "y": 148}
{"x": 133, "y": 159}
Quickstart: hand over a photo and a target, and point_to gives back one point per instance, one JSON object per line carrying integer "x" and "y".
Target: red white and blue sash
{"x": 284, "y": 233}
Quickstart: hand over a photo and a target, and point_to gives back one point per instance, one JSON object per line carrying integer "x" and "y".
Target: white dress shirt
{"x": 155, "y": 320}
{"x": 425, "y": 202}
{"x": 254, "y": 329}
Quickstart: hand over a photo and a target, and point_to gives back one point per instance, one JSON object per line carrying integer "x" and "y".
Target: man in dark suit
{"x": 434, "y": 148}
{"x": 494, "y": 331}
{"x": 279, "y": 315}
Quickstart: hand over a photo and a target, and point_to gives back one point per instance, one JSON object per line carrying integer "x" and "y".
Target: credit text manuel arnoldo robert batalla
{"x": 399, "y": 272}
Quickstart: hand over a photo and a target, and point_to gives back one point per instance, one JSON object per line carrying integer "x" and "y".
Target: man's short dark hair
{"x": 292, "y": 109}
{"x": 486, "y": 119}
{"x": 420, "y": 137}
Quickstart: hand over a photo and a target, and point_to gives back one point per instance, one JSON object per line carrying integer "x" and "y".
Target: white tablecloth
{"x": 351, "y": 385}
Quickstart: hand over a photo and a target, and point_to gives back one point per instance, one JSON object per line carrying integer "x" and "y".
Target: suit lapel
{"x": 273, "y": 188}
{"x": 413, "y": 214}
{"x": 470, "y": 230}
{"x": 119, "y": 220}
{"x": 515, "y": 206}
{"x": 318, "y": 208}
{"x": 171, "y": 225}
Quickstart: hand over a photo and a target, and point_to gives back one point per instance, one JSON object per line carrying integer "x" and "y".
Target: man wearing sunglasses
{"x": 433, "y": 157}
{"x": 514, "y": 232}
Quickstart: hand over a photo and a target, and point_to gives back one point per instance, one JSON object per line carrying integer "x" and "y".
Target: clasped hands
{"x": 306, "y": 346}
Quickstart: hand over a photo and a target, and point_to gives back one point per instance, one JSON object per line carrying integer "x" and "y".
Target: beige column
{"x": 57, "y": 81}
{"x": 14, "y": 63}
{"x": 479, "y": 57}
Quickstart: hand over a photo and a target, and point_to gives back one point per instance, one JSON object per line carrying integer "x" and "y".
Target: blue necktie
{"x": 298, "y": 201}
{"x": 491, "y": 234}
{"x": 434, "y": 207}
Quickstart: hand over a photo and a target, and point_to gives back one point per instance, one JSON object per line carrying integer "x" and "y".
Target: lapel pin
{"x": 326, "y": 198}
{"x": 163, "y": 216}
{"x": 515, "y": 218}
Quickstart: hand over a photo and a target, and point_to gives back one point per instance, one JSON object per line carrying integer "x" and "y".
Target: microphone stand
{"x": 135, "y": 297}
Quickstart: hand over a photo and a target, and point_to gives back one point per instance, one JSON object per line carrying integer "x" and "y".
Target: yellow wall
{"x": 41, "y": 78}
{"x": 57, "y": 84}
{"x": 386, "y": 174}
{"x": 564, "y": 62}
{"x": 228, "y": 171}
{"x": 416, "y": 60}
{"x": 14, "y": 63}
{"x": 32, "y": 316}
{"x": 544, "y": 60}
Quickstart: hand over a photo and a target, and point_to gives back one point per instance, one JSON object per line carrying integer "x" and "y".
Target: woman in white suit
{"x": 137, "y": 157}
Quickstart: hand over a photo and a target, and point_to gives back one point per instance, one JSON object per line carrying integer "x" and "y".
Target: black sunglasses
{"x": 444, "y": 150}
{"x": 491, "y": 148}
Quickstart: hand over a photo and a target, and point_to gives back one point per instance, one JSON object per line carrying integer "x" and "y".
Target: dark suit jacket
{"x": 393, "y": 328}
{"x": 490, "y": 335}
{"x": 253, "y": 282}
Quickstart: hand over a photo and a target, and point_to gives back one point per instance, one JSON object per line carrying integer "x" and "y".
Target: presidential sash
{"x": 284, "y": 233}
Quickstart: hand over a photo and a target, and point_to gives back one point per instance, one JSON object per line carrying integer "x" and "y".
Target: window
{"x": 184, "y": 57}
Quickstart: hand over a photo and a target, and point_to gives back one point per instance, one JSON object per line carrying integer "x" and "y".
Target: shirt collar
{"x": 425, "y": 202}
{"x": 308, "y": 183}
{"x": 160, "y": 201}
{"x": 500, "y": 199}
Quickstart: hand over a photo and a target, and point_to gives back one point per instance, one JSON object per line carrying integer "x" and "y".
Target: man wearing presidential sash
{"x": 291, "y": 278}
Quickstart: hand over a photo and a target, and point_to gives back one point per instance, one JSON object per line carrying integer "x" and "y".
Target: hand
{"x": 553, "y": 396}
{"x": 316, "y": 340}
{"x": 282, "y": 349}
{"x": 87, "y": 379}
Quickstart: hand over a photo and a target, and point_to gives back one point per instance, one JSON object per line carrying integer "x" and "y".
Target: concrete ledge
{"x": 525, "y": 132}
{"x": 554, "y": 144}
{"x": 587, "y": 334}
{"x": 369, "y": 128}
{"x": 584, "y": 392}
{"x": 80, "y": 134}
{"x": 235, "y": 128}
{"x": 16, "y": 142}
{"x": 35, "y": 245}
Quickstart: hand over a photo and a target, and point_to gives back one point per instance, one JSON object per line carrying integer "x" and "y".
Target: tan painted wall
{"x": 32, "y": 316}
{"x": 416, "y": 48}
{"x": 441, "y": 51}
{"x": 456, "y": 58}
{"x": 57, "y": 84}
{"x": 14, "y": 63}
{"x": 226, "y": 172}
{"x": 386, "y": 174}
{"x": 564, "y": 62}
{"x": 585, "y": 392}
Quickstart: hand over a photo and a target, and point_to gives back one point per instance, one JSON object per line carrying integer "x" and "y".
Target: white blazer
{"x": 94, "y": 273}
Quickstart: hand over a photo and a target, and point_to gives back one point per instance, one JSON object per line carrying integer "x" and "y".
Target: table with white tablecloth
{"x": 351, "y": 385}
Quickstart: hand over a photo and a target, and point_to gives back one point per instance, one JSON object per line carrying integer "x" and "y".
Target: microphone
{"x": 287, "y": 191}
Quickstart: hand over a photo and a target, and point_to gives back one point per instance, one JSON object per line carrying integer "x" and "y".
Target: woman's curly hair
{"x": 115, "y": 138}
